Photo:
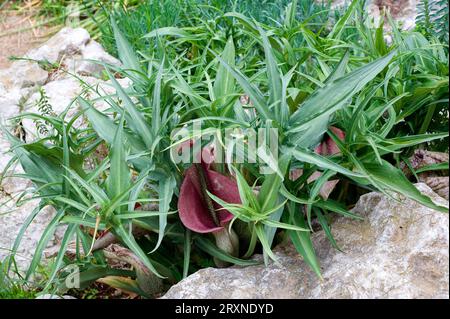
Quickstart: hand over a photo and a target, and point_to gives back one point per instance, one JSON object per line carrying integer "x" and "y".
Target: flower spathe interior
{"x": 194, "y": 204}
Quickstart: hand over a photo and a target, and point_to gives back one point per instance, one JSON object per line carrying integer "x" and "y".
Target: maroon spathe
{"x": 193, "y": 210}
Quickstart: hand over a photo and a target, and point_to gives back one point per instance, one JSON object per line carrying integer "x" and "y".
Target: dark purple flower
{"x": 197, "y": 210}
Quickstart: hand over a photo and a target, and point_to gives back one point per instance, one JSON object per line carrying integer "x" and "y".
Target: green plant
{"x": 137, "y": 21}
{"x": 432, "y": 18}
{"x": 345, "y": 106}
{"x": 14, "y": 287}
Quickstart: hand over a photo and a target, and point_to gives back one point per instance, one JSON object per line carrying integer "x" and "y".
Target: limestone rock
{"x": 72, "y": 49}
{"x": 49, "y": 296}
{"x": 22, "y": 74}
{"x": 65, "y": 43}
{"x": 12, "y": 217}
{"x": 400, "y": 250}
{"x": 94, "y": 51}
{"x": 69, "y": 50}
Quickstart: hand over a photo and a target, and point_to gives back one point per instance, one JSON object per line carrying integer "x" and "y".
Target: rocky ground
{"x": 399, "y": 250}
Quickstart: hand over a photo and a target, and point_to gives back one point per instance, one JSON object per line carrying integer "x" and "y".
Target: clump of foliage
{"x": 140, "y": 17}
{"x": 347, "y": 107}
{"x": 433, "y": 17}
{"x": 137, "y": 21}
{"x": 14, "y": 288}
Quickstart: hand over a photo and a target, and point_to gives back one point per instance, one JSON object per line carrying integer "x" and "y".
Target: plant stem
{"x": 427, "y": 120}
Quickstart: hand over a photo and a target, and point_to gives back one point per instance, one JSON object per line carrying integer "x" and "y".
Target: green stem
{"x": 427, "y": 120}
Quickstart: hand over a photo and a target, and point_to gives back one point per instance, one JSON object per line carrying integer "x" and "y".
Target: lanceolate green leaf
{"x": 326, "y": 228}
{"x": 124, "y": 284}
{"x": 187, "y": 252}
{"x": 272, "y": 224}
{"x": 307, "y": 156}
{"x": 224, "y": 83}
{"x": 339, "y": 71}
{"x": 411, "y": 140}
{"x": 291, "y": 11}
{"x": 62, "y": 250}
{"x": 336, "y": 208}
{"x": 156, "y": 104}
{"x": 165, "y": 190}
{"x": 42, "y": 244}
{"x": 302, "y": 240}
{"x": 265, "y": 242}
{"x": 340, "y": 25}
{"x": 26, "y": 223}
{"x": 268, "y": 194}
{"x": 433, "y": 167}
{"x": 393, "y": 179}
{"x": 106, "y": 128}
{"x": 329, "y": 98}
{"x": 126, "y": 51}
{"x": 120, "y": 177}
{"x": 211, "y": 249}
{"x": 273, "y": 76}
{"x": 172, "y": 31}
{"x": 315, "y": 190}
{"x": 248, "y": 23}
{"x": 252, "y": 90}
{"x": 138, "y": 124}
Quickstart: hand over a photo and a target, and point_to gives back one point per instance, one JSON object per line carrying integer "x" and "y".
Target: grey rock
{"x": 73, "y": 49}
{"x": 49, "y": 296}
{"x": 93, "y": 51}
{"x": 66, "y": 42}
{"x": 399, "y": 250}
{"x": 12, "y": 217}
{"x": 22, "y": 74}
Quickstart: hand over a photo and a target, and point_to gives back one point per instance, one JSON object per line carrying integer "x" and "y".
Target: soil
{"x": 18, "y": 43}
